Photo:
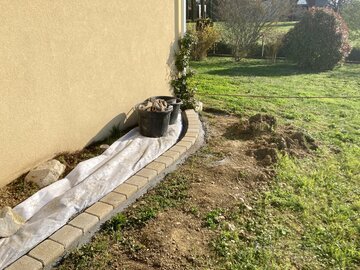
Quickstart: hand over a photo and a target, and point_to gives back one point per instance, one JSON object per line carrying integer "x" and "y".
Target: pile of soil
{"x": 269, "y": 139}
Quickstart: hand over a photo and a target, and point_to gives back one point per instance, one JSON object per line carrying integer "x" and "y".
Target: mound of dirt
{"x": 257, "y": 124}
{"x": 269, "y": 139}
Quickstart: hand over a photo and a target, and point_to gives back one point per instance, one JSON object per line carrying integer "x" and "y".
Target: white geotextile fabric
{"x": 51, "y": 208}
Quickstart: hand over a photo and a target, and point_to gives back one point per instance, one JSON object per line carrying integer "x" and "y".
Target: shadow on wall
{"x": 121, "y": 122}
{"x": 127, "y": 120}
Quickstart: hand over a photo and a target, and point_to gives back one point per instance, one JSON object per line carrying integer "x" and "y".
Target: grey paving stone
{"x": 25, "y": 263}
{"x": 180, "y": 149}
{"x": 165, "y": 160}
{"x": 85, "y": 222}
{"x": 47, "y": 252}
{"x": 126, "y": 189}
{"x": 100, "y": 209}
{"x": 67, "y": 236}
{"x": 137, "y": 181}
{"x": 185, "y": 144}
{"x": 147, "y": 173}
{"x": 192, "y": 130}
{"x": 171, "y": 154}
{"x": 157, "y": 166}
{"x": 192, "y": 134}
{"x": 191, "y": 140}
{"x": 114, "y": 199}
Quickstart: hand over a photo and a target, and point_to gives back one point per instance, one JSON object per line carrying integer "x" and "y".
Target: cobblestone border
{"x": 80, "y": 229}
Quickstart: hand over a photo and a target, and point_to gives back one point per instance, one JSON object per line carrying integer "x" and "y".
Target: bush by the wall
{"x": 180, "y": 83}
{"x": 354, "y": 56}
{"x": 319, "y": 41}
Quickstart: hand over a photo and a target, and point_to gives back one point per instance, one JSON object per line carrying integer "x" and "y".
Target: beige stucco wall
{"x": 68, "y": 68}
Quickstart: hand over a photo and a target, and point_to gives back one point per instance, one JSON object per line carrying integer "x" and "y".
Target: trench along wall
{"x": 70, "y": 70}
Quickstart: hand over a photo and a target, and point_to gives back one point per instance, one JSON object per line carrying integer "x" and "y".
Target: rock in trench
{"x": 46, "y": 174}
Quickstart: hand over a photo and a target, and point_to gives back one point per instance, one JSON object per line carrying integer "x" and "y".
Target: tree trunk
{"x": 236, "y": 54}
{"x": 210, "y": 9}
{"x": 202, "y": 3}
{"x": 193, "y": 10}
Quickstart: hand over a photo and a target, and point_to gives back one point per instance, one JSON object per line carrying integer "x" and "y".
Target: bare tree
{"x": 337, "y": 5}
{"x": 246, "y": 20}
{"x": 351, "y": 14}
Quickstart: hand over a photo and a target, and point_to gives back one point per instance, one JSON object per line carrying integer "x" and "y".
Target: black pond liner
{"x": 176, "y": 103}
{"x": 154, "y": 124}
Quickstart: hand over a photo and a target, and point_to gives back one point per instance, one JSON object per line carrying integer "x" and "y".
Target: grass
{"x": 333, "y": 121}
{"x": 309, "y": 216}
{"x": 283, "y": 27}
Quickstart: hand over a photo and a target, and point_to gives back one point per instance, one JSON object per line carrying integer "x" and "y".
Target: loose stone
{"x": 46, "y": 174}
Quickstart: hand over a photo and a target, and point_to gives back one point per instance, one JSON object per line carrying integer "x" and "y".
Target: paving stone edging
{"x": 80, "y": 229}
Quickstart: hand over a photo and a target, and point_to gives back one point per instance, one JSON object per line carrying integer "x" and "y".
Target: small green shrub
{"x": 319, "y": 41}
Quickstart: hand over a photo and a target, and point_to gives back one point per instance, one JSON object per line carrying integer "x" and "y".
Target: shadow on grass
{"x": 270, "y": 70}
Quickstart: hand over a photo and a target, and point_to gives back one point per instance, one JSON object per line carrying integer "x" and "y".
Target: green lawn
{"x": 284, "y": 27}
{"x": 309, "y": 217}
{"x": 306, "y": 217}
{"x": 333, "y": 121}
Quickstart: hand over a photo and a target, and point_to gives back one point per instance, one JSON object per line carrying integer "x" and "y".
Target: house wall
{"x": 70, "y": 70}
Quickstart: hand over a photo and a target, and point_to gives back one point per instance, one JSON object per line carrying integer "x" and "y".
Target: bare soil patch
{"x": 224, "y": 175}
{"x": 174, "y": 240}
{"x": 16, "y": 192}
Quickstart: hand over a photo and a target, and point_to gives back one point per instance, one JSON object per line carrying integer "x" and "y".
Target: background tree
{"x": 319, "y": 41}
{"x": 337, "y": 5}
{"x": 246, "y": 20}
{"x": 351, "y": 14}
